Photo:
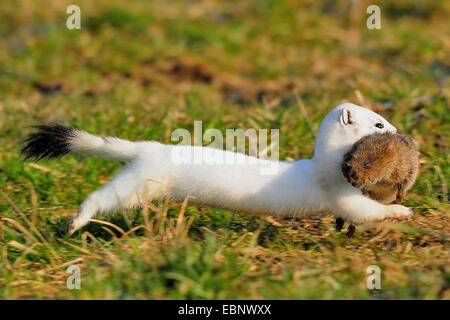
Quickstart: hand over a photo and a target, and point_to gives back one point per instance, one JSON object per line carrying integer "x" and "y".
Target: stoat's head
{"x": 345, "y": 125}
{"x": 361, "y": 121}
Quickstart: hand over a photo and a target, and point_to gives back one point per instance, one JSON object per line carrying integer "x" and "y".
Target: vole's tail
{"x": 54, "y": 140}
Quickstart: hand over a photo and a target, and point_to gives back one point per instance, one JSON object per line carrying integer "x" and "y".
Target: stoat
{"x": 296, "y": 188}
{"x": 383, "y": 165}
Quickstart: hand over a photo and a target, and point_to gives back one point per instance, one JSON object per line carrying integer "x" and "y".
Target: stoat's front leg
{"x": 350, "y": 205}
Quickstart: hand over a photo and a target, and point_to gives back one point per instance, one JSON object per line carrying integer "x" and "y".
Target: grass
{"x": 143, "y": 69}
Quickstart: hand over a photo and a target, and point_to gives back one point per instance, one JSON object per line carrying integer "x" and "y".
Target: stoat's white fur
{"x": 298, "y": 188}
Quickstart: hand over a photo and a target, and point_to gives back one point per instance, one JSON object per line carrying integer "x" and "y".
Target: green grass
{"x": 143, "y": 69}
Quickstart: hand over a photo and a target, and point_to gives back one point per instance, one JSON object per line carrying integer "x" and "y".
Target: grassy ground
{"x": 142, "y": 69}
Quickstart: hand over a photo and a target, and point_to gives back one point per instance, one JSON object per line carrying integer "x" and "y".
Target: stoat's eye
{"x": 379, "y": 125}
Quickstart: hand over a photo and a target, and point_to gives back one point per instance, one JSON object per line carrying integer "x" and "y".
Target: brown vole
{"x": 383, "y": 165}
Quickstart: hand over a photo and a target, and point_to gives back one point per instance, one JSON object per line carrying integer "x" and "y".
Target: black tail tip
{"x": 49, "y": 141}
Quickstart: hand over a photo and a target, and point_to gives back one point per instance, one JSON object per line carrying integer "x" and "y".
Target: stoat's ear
{"x": 346, "y": 117}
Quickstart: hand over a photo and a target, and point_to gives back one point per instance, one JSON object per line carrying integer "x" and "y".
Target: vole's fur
{"x": 383, "y": 165}
{"x": 297, "y": 188}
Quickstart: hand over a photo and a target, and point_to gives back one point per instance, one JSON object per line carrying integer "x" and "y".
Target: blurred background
{"x": 140, "y": 69}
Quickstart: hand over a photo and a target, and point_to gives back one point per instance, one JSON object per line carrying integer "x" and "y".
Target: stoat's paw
{"x": 74, "y": 224}
{"x": 400, "y": 212}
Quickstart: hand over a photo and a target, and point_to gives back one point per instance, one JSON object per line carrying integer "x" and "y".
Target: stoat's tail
{"x": 54, "y": 140}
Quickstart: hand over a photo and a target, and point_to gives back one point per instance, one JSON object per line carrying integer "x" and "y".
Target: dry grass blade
{"x": 84, "y": 238}
{"x": 34, "y": 204}
{"x": 33, "y": 228}
{"x": 39, "y": 283}
{"x": 26, "y": 251}
{"x": 272, "y": 221}
{"x": 360, "y": 98}
{"x": 161, "y": 217}
{"x": 17, "y": 245}
{"x": 443, "y": 180}
{"x": 30, "y": 238}
{"x": 252, "y": 244}
{"x": 5, "y": 261}
{"x": 188, "y": 226}
{"x": 65, "y": 264}
{"x": 83, "y": 250}
{"x": 180, "y": 218}
{"x": 108, "y": 224}
{"x": 110, "y": 232}
{"x": 134, "y": 229}
{"x": 46, "y": 170}
{"x": 152, "y": 207}
{"x": 210, "y": 231}
{"x": 15, "y": 208}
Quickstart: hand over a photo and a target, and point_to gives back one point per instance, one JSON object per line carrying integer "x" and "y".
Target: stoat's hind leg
{"x": 119, "y": 193}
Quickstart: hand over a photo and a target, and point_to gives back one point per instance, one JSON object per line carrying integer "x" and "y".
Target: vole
{"x": 384, "y": 166}
{"x": 295, "y": 188}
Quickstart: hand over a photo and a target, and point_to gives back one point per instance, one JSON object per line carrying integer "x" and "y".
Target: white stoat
{"x": 298, "y": 188}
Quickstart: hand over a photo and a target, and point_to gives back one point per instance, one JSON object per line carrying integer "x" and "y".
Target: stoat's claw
{"x": 339, "y": 224}
{"x": 350, "y": 231}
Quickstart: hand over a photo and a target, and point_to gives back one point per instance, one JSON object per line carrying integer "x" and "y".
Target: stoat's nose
{"x": 393, "y": 129}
